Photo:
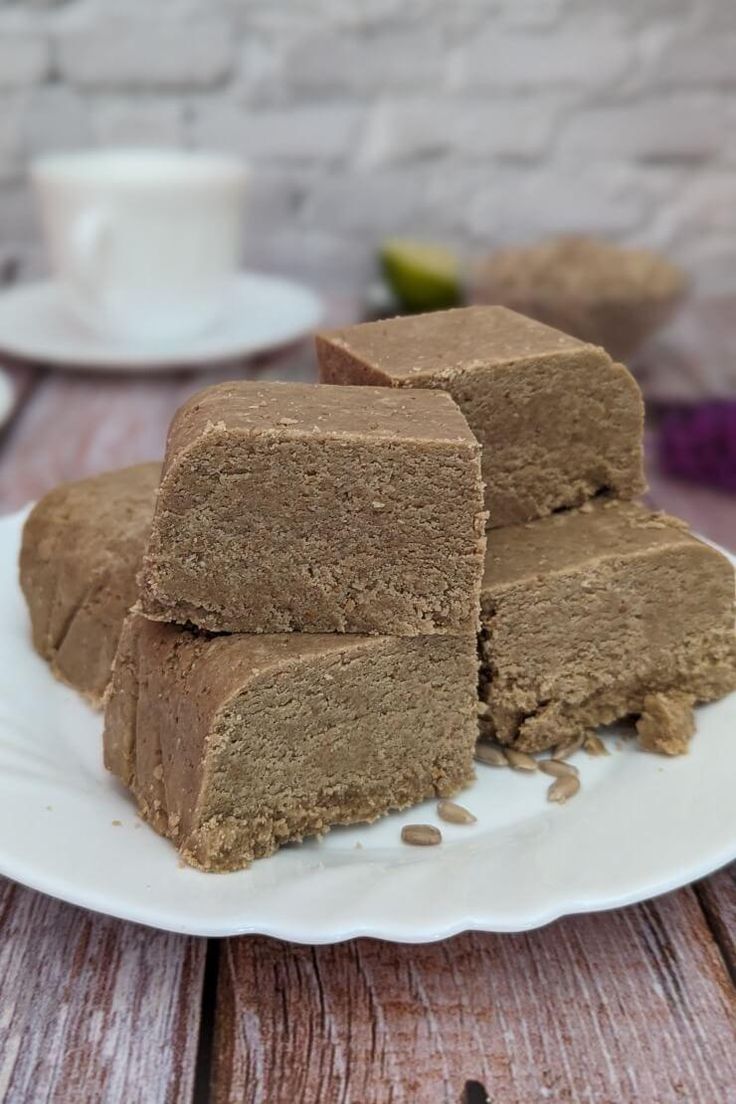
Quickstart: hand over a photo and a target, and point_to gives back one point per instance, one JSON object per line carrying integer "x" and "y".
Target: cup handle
{"x": 89, "y": 242}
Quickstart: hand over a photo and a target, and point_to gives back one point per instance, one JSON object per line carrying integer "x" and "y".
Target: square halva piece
{"x": 594, "y": 615}
{"x": 81, "y": 550}
{"x": 236, "y": 744}
{"x": 301, "y": 508}
{"x": 559, "y": 422}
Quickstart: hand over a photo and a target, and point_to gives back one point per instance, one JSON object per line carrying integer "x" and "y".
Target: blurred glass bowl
{"x": 602, "y": 293}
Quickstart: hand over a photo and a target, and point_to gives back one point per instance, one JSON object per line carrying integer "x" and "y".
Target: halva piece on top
{"x": 297, "y": 507}
{"x": 558, "y": 420}
{"x": 82, "y": 547}
{"x": 594, "y": 615}
{"x": 236, "y": 744}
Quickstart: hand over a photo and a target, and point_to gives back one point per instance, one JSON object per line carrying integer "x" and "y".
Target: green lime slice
{"x": 421, "y": 276}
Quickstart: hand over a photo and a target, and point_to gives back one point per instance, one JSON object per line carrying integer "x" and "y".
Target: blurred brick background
{"x": 474, "y": 121}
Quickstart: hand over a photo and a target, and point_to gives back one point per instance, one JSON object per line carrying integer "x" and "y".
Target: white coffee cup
{"x": 145, "y": 244}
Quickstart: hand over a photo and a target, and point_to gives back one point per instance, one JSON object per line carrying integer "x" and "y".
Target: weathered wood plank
{"x": 22, "y": 379}
{"x": 620, "y": 1008}
{"x": 717, "y": 895}
{"x": 92, "y": 1009}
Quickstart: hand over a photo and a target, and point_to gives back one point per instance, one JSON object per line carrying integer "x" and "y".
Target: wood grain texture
{"x": 717, "y": 896}
{"x": 92, "y": 1009}
{"x": 22, "y": 379}
{"x": 624, "y": 1008}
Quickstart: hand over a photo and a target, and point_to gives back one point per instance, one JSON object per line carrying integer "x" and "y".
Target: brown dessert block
{"x": 296, "y": 507}
{"x": 236, "y": 744}
{"x": 559, "y": 422}
{"x": 82, "y": 547}
{"x": 594, "y": 615}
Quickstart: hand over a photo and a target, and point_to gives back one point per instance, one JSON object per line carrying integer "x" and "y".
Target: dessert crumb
{"x": 667, "y": 723}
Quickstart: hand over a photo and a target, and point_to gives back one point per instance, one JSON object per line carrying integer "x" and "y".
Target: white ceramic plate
{"x": 262, "y": 313}
{"x": 641, "y": 825}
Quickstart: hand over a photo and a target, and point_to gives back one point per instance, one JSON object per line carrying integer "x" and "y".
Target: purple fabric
{"x": 699, "y": 443}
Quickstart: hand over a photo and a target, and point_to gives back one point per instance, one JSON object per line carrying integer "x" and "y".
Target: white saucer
{"x": 264, "y": 312}
{"x": 641, "y": 825}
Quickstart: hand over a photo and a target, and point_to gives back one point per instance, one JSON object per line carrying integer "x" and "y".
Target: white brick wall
{"x": 591, "y": 57}
{"x": 24, "y": 60}
{"x": 472, "y": 121}
{"x": 129, "y": 54}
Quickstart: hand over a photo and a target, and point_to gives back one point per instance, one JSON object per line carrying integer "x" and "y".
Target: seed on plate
{"x": 557, "y": 768}
{"x": 483, "y": 709}
{"x": 563, "y": 788}
{"x": 421, "y": 835}
{"x": 593, "y": 745}
{"x": 454, "y": 813}
{"x": 491, "y": 755}
{"x": 519, "y": 760}
{"x": 564, "y": 751}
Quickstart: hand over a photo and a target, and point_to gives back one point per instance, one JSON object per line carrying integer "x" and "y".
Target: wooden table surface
{"x": 637, "y": 1005}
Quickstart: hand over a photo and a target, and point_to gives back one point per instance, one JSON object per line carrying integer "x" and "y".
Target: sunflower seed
{"x": 557, "y": 768}
{"x": 483, "y": 709}
{"x": 421, "y": 835}
{"x": 454, "y": 813}
{"x": 593, "y": 745}
{"x": 491, "y": 755}
{"x": 519, "y": 760}
{"x": 563, "y": 788}
{"x": 564, "y": 751}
